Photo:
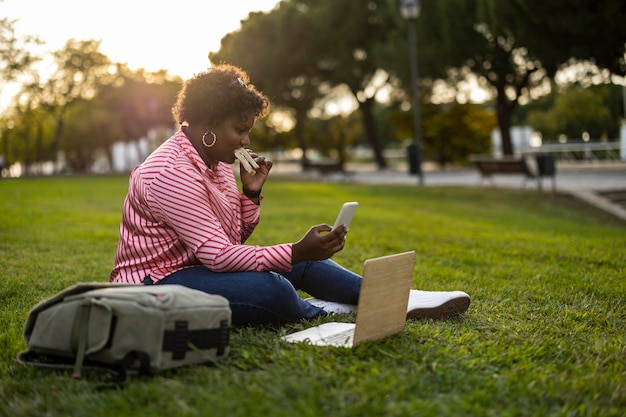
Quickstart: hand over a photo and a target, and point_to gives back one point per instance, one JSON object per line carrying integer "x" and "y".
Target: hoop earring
{"x": 204, "y": 139}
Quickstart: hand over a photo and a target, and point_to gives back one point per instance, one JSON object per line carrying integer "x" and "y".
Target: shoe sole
{"x": 450, "y": 308}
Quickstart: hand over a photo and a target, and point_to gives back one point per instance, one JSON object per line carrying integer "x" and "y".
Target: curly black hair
{"x": 218, "y": 93}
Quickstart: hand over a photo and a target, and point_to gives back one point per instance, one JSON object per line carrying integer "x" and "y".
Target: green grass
{"x": 545, "y": 334}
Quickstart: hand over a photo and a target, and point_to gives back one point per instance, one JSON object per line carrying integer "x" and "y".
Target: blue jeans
{"x": 271, "y": 297}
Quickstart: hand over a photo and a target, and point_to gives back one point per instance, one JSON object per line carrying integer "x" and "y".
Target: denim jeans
{"x": 271, "y": 297}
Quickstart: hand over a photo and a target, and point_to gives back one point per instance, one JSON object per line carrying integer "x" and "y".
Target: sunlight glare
{"x": 175, "y": 36}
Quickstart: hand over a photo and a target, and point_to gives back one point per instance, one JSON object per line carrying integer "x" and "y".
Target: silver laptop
{"x": 381, "y": 310}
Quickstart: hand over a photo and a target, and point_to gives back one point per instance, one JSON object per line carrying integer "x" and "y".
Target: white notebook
{"x": 381, "y": 310}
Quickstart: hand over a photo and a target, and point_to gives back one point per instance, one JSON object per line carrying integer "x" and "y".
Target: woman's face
{"x": 232, "y": 134}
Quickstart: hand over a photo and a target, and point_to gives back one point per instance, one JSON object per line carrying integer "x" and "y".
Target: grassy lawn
{"x": 545, "y": 334}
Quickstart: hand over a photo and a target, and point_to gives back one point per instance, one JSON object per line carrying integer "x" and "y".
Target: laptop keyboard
{"x": 341, "y": 337}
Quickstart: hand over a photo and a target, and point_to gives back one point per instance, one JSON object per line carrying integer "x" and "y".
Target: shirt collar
{"x": 192, "y": 153}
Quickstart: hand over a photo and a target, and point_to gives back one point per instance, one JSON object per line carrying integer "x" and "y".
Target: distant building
{"x": 520, "y": 139}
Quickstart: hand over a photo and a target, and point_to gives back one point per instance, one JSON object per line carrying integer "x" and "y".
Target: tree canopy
{"x": 86, "y": 105}
{"x": 303, "y": 52}
{"x": 515, "y": 46}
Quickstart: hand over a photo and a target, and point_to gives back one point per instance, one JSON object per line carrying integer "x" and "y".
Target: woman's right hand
{"x": 319, "y": 243}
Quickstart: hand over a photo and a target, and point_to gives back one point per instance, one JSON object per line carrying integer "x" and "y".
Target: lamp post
{"x": 410, "y": 10}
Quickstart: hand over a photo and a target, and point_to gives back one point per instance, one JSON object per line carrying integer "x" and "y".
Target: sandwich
{"x": 247, "y": 162}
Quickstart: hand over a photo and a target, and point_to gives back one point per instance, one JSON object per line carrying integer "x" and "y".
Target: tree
{"x": 512, "y": 46}
{"x": 15, "y": 60}
{"x": 134, "y": 104}
{"x": 454, "y": 132}
{"x": 23, "y": 136}
{"x": 115, "y": 106}
{"x": 348, "y": 34}
{"x": 339, "y": 132}
{"x": 582, "y": 29}
{"x": 551, "y": 34}
{"x": 477, "y": 36}
{"x": 15, "y": 55}
{"x": 575, "y": 111}
{"x": 276, "y": 49}
{"x": 305, "y": 48}
{"x": 451, "y": 132}
{"x": 81, "y": 69}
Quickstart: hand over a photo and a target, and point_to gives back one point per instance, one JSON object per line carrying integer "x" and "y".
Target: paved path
{"x": 565, "y": 180}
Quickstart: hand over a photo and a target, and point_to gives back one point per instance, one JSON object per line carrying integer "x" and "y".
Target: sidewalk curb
{"x": 596, "y": 200}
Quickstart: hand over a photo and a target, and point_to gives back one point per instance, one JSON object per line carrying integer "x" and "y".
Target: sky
{"x": 176, "y": 35}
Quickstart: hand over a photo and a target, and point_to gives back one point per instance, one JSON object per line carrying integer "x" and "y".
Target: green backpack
{"x": 134, "y": 329}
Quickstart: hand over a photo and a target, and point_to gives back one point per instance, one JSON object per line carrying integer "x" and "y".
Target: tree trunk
{"x": 108, "y": 149}
{"x": 56, "y": 143}
{"x": 504, "y": 112}
{"x": 39, "y": 144}
{"x": 299, "y": 131}
{"x": 371, "y": 131}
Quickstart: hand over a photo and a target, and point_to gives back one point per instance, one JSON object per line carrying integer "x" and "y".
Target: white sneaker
{"x": 332, "y": 307}
{"x": 436, "y": 304}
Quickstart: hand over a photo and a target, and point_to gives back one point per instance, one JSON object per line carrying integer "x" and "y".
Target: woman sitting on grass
{"x": 185, "y": 221}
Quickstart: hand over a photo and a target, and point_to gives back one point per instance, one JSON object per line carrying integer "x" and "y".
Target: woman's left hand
{"x": 254, "y": 182}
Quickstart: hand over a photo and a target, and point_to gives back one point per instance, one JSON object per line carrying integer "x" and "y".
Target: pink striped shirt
{"x": 179, "y": 213}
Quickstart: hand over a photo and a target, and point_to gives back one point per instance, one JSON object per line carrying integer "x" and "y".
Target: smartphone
{"x": 346, "y": 214}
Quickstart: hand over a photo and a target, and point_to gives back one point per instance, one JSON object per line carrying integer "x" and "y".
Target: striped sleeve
{"x": 213, "y": 222}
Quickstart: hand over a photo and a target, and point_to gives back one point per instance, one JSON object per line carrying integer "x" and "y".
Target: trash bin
{"x": 546, "y": 165}
{"x": 412, "y": 158}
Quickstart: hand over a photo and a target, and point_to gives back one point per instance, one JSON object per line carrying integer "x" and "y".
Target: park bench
{"x": 533, "y": 170}
{"x": 323, "y": 167}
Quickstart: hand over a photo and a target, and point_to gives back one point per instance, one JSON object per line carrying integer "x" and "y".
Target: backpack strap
{"x": 29, "y": 357}
{"x": 83, "y": 333}
{"x": 181, "y": 340}
{"x": 32, "y": 358}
